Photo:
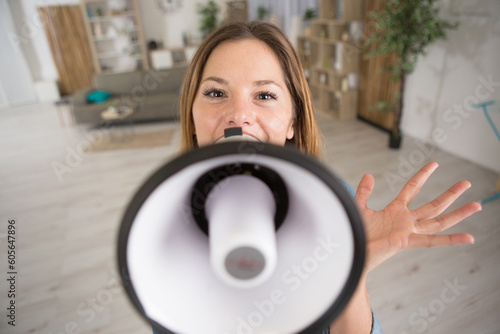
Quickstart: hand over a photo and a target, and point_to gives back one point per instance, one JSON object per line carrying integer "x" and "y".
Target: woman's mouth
{"x": 236, "y": 134}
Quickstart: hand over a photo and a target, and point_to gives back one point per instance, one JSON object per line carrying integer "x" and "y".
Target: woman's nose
{"x": 240, "y": 112}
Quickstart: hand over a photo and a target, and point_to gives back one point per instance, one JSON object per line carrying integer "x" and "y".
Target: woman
{"x": 249, "y": 76}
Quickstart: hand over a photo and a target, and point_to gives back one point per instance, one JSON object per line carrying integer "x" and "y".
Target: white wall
{"x": 169, "y": 27}
{"x": 184, "y": 20}
{"x": 32, "y": 38}
{"x": 16, "y": 84}
{"x": 452, "y": 77}
{"x": 152, "y": 19}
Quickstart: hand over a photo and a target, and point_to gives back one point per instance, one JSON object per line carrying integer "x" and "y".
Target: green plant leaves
{"x": 209, "y": 13}
{"x": 406, "y": 27}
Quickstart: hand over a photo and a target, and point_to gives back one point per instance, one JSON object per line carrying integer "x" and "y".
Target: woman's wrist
{"x": 357, "y": 316}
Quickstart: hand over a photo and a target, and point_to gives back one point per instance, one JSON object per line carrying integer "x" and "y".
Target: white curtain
{"x": 285, "y": 10}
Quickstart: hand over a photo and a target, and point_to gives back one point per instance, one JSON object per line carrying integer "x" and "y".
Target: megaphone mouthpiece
{"x": 236, "y": 131}
{"x": 235, "y": 134}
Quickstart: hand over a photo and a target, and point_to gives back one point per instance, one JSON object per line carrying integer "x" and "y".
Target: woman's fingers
{"x": 413, "y": 186}
{"x": 364, "y": 190}
{"x": 443, "y": 222}
{"x": 441, "y": 203}
{"x": 439, "y": 240}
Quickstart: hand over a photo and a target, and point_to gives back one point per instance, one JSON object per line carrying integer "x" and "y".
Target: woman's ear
{"x": 291, "y": 130}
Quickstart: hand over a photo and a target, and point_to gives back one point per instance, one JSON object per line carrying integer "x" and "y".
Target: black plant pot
{"x": 395, "y": 141}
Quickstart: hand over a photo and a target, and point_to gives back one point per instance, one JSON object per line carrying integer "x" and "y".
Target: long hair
{"x": 306, "y": 134}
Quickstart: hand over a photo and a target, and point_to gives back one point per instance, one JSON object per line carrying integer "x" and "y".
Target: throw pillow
{"x": 98, "y": 96}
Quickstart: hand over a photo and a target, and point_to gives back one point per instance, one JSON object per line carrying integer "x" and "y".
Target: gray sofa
{"x": 152, "y": 94}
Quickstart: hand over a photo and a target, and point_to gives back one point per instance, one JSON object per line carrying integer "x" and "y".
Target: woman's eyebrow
{"x": 216, "y": 79}
{"x": 257, "y": 83}
{"x": 266, "y": 82}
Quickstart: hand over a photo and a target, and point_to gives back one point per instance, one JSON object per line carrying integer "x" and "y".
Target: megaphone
{"x": 241, "y": 237}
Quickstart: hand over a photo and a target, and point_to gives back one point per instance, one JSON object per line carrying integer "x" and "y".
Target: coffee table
{"x": 113, "y": 113}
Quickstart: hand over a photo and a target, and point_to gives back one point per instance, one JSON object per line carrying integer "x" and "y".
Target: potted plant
{"x": 111, "y": 107}
{"x": 208, "y": 14}
{"x": 262, "y": 13}
{"x": 309, "y": 15}
{"x": 404, "y": 28}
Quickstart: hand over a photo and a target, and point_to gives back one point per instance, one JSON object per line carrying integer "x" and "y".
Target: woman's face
{"x": 243, "y": 85}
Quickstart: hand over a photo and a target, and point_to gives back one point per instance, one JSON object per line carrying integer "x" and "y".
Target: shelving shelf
{"x": 116, "y": 55}
{"x": 114, "y": 34}
{"x": 110, "y": 17}
{"x": 331, "y": 58}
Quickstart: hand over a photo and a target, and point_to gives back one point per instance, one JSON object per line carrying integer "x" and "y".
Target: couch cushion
{"x": 160, "y": 106}
{"x": 170, "y": 80}
{"x": 118, "y": 83}
{"x": 147, "y": 82}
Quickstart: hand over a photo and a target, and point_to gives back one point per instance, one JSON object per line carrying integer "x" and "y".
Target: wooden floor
{"x": 67, "y": 207}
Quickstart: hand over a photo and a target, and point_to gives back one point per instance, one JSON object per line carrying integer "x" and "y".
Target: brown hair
{"x": 306, "y": 134}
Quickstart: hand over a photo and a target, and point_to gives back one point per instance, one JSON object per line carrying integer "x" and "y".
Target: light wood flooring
{"x": 67, "y": 228}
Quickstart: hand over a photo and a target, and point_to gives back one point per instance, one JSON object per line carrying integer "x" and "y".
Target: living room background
{"x": 445, "y": 80}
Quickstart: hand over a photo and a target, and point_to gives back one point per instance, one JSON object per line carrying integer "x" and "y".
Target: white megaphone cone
{"x": 241, "y": 237}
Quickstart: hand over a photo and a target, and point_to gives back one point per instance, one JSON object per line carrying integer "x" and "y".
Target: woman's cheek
{"x": 208, "y": 127}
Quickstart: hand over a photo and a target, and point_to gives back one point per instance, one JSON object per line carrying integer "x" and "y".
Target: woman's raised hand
{"x": 396, "y": 227}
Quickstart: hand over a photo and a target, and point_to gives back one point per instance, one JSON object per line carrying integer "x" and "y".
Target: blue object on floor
{"x": 484, "y": 105}
{"x": 491, "y": 198}
{"x": 485, "y": 111}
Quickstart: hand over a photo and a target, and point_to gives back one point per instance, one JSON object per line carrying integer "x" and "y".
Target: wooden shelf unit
{"x": 114, "y": 36}
{"x": 330, "y": 56}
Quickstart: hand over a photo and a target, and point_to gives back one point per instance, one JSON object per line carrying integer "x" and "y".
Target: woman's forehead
{"x": 249, "y": 57}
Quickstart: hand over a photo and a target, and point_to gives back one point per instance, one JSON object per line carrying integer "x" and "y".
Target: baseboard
{"x": 378, "y": 126}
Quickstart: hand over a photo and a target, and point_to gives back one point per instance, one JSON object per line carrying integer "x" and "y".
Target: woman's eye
{"x": 213, "y": 93}
{"x": 266, "y": 96}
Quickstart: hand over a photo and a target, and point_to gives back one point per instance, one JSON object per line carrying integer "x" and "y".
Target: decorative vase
{"x": 395, "y": 141}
